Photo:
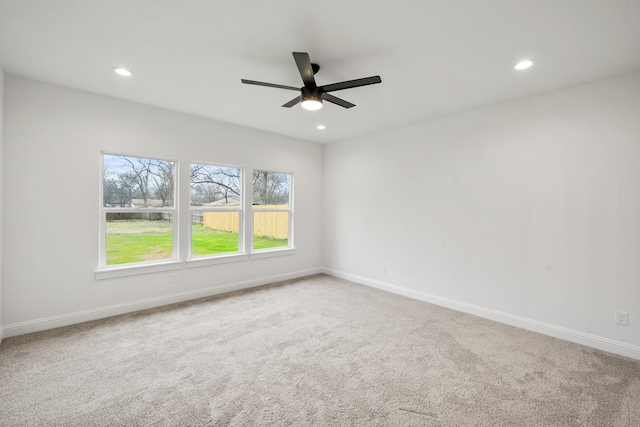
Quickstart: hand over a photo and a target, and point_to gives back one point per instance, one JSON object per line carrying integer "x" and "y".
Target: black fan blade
{"x": 253, "y": 82}
{"x": 304, "y": 66}
{"x": 352, "y": 83}
{"x": 337, "y": 101}
{"x": 293, "y": 102}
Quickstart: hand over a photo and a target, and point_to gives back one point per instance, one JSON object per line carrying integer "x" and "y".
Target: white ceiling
{"x": 435, "y": 57}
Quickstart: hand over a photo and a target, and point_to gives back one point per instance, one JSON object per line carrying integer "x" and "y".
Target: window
{"x": 140, "y": 230}
{"x": 138, "y": 210}
{"x": 272, "y": 213}
{"x": 216, "y": 210}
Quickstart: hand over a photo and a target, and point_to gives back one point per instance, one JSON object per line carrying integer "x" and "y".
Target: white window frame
{"x": 283, "y": 250}
{"x": 181, "y": 237}
{"x": 105, "y": 271}
{"x": 209, "y": 259}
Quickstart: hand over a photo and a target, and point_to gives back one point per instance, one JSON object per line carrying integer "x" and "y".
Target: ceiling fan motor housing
{"x": 312, "y": 93}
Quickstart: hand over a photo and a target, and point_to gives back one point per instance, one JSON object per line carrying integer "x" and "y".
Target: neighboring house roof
{"x": 223, "y": 202}
{"x": 152, "y": 203}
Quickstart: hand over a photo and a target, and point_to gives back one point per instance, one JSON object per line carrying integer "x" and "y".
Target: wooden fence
{"x": 270, "y": 224}
{"x": 197, "y": 218}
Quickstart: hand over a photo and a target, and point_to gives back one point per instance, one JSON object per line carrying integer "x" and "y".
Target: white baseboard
{"x": 21, "y": 328}
{"x": 601, "y": 343}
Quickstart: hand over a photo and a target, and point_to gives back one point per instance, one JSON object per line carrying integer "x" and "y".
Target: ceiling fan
{"x": 312, "y": 95}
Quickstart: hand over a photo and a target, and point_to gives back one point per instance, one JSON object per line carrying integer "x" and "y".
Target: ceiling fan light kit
{"x": 311, "y": 104}
{"x": 311, "y": 98}
{"x": 311, "y": 95}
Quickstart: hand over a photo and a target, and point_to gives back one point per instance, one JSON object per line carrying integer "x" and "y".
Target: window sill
{"x": 221, "y": 259}
{"x": 114, "y": 272}
{"x": 270, "y": 253}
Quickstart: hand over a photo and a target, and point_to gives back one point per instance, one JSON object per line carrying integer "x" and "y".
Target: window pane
{"x": 270, "y": 229}
{"x": 214, "y": 233}
{"x": 215, "y": 185}
{"x": 138, "y": 237}
{"x": 136, "y": 182}
{"x": 271, "y": 189}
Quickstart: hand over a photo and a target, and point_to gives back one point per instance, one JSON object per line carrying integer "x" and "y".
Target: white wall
{"x": 53, "y": 140}
{"x": 527, "y": 212}
{"x": 1, "y": 186}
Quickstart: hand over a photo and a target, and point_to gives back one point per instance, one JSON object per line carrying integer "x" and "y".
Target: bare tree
{"x": 110, "y": 190}
{"x": 127, "y": 188}
{"x": 149, "y": 178}
{"x": 163, "y": 185}
{"x": 118, "y": 189}
{"x": 270, "y": 188}
{"x": 212, "y": 183}
{"x": 141, "y": 172}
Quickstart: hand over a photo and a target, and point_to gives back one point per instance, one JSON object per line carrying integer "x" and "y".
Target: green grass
{"x": 139, "y": 240}
{"x": 207, "y": 241}
{"x": 266, "y": 242}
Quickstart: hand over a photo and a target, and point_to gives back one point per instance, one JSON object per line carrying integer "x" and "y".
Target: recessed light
{"x": 321, "y": 127}
{"x": 523, "y": 65}
{"x": 122, "y": 72}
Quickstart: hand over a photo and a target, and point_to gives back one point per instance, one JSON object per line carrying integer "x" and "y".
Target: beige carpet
{"x": 314, "y": 351}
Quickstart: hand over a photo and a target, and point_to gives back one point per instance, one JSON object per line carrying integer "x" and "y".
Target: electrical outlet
{"x": 174, "y": 277}
{"x": 383, "y": 269}
{"x": 622, "y": 318}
